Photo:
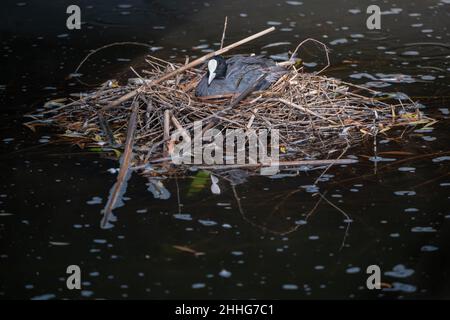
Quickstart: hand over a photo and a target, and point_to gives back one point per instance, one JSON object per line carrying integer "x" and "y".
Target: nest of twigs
{"x": 312, "y": 113}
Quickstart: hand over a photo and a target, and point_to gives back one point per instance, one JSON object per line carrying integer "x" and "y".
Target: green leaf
{"x": 199, "y": 182}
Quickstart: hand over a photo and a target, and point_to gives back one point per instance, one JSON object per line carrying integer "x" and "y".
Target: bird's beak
{"x": 211, "y": 77}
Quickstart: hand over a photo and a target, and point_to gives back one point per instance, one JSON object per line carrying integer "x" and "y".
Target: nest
{"x": 313, "y": 114}
{"x": 317, "y": 119}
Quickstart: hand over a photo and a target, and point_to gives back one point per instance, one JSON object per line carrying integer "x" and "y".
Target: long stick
{"x": 194, "y": 63}
{"x": 224, "y": 31}
{"x": 296, "y": 106}
{"x": 124, "y": 168}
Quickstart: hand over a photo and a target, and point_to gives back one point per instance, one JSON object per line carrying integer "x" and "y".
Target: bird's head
{"x": 217, "y": 68}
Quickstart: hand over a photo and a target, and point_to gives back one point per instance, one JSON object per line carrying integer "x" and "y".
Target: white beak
{"x": 211, "y": 77}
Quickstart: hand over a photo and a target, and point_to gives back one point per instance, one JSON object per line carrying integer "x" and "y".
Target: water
{"x": 270, "y": 244}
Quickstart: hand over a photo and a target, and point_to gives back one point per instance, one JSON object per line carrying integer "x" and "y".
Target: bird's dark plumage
{"x": 240, "y": 73}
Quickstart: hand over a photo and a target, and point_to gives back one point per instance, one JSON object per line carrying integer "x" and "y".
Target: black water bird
{"x": 237, "y": 73}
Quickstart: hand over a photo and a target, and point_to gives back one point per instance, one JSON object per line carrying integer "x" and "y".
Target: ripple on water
{"x": 201, "y": 47}
{"x": 381, "y": 159}
{"x": 410, "y": 53}
{"x": 354, "y": 11}
{"x": 392, "y": 11}
{"x": 423, "y": 229}
{"x": 94, "y": 200}
{"x": 294, "y": 3}
{"x": 401, "y": 287}
{"x": 310, "y": 64}
{"x": 338, "y": 41}
{"x": 311, "y": 188}
{"x": 5, "y": 214}
{"x": 58, "y": 243}
{"x": 428, "y": 138}
{"x": 276, "y": 44}
{"x": 405, "y": 193}
{"x": 428, "y": 77}
{"x": 356, "y": 36}
{"x": 199, "y": 285}
{"x": 353, "y": 270}
{"x": 46, "y": 296}
{"x": 207, "y": 223}
{"x": 444, "y": 111}
{"x": 100, "y": 241}
{"x": 399, "y": 271}
{"x": 319, "y": 267}
{"x": 124, "y": 6}
{"x": 87, "y": 293}
{"x": 44, "y": 139}
{"x": 440, "y": 159}
{"x": 183, "y": 216}
{"x": 225, "y": 273}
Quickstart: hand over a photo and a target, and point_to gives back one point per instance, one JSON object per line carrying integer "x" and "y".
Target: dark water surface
{"x": 262, "y": 247}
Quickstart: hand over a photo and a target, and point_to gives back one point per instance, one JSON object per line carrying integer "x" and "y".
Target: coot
{"x": 237, "y": 73}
